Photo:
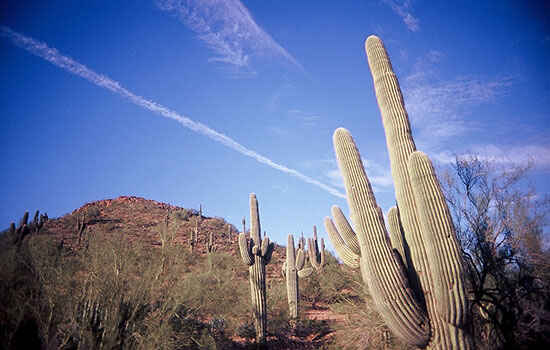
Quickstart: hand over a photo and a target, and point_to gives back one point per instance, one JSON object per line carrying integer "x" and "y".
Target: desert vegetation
{"x": 460, "y": 264}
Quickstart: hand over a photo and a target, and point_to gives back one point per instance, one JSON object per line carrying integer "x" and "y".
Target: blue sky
{"x": 204, "y": 102}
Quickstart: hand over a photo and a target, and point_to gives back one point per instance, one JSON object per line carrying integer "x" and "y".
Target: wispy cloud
{"x": 538, "y": 154}
{"x": 53, "y": 56}
{"x": 306, "y": 118}
{"x": 403, "y": 10}
{"x": 437, "y": 106}
{"x": 227, "y": 27}
{"x": 379, "y": 176}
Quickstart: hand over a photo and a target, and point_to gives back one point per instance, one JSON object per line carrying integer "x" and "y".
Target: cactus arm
{"x": 283, "y": 270}
{"x": 344, "y": 252}
{"x": 305, "y": 272}
{"x": 246, "y": 253}
{"x": 322, "y": 252}
{"x": 24, "y": 219}
{"x": 396, "y": 234}
{"x": 300, "y": 259}
{"x": 11, "y": 230}
{"x": 345, "y": 229}
{"x": 440, "y": 239}
{"x": 269, "y": 253}
{"x": 387, "y": 282}
{"x": 316, "y": 254}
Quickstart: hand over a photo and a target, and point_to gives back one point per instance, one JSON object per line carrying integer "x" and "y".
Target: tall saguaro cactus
{"x": 293, "y": 268}
{"x": 418, "y": 284}
{"x": 256, "y": 254}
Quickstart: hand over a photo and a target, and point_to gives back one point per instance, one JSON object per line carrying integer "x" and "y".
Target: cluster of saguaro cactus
{"x": 316, "y": 251}
{"x": 18, "y": 233}
{"x": 256, "y": 254}
{"x": 418, "y": 285}
{"x": 293, "y": 268}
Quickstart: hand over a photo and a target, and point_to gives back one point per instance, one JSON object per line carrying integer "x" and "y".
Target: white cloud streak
{"x": 402, "y": 9}
{"x": 227, "y": 27}
{"x": 379, "y": 176}
{"x": 53, "y": 56}
{"x": 538, "y": 154}
{"x": 438, "y": 106}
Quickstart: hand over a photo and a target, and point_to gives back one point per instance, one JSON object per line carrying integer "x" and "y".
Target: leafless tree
{"x": 500, "y": 224}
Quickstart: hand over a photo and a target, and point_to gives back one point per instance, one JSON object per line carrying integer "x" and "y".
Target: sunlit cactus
{"x": 415, "y": 276}
{"x": 192, "y": 241}
{"x": 256, "y": 254}
{"x": 316, "y": 251}
{"x": 210, "y": 248}
{"x": 293, "y": 268}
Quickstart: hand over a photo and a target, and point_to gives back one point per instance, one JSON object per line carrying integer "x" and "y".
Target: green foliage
{"x": 117, "y": 294}
{"x": 325, "y": 287}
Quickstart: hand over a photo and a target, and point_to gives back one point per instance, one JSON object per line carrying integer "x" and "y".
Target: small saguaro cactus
{"x": 18, "y": 233}
{"x": 192, "y": 241}
{"x": 38, "y": 222}
{"x": 416, "y": 276}
{"x": 196, "y": 231}
{"x": 229, "y": 232}
{"x": 293, "y": 268}
{"x": 210, "y": 248}
{"x": 256, "y": 254}
{"x": 315, "y": 251}
{"x": 80, "y": 226}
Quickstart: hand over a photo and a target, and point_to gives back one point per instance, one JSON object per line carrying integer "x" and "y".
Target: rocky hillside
{"x": 143, "y": 219}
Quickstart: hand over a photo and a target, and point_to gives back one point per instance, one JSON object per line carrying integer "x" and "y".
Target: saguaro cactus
{"x": 80, "y": 226}
{"x": 256, "y": 254}
{"x": 418, "y": 287}
{"x": 293, "y": 268}
{"x": 192, "y": 241}
{"x": 315, "y": 251}
{"x": 210, "y": 248}
{"x": 19, "y": 233}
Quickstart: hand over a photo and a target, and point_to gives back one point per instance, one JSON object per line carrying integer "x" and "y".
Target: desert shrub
{"x": 182, "y": 215}
{"x": 360, "y": 327}
{"x": 117, "y": 293}
{"x": 325, "y": 286}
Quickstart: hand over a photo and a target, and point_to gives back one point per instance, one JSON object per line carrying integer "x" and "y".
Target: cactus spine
{"x": 315, "y": 251}
{"x": 293, "y": 268}
{"x": 419, "y": 287}
{"x": 256, "y": 254}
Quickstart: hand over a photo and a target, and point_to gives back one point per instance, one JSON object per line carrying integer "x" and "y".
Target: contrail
{"x": 53, "y": 56}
